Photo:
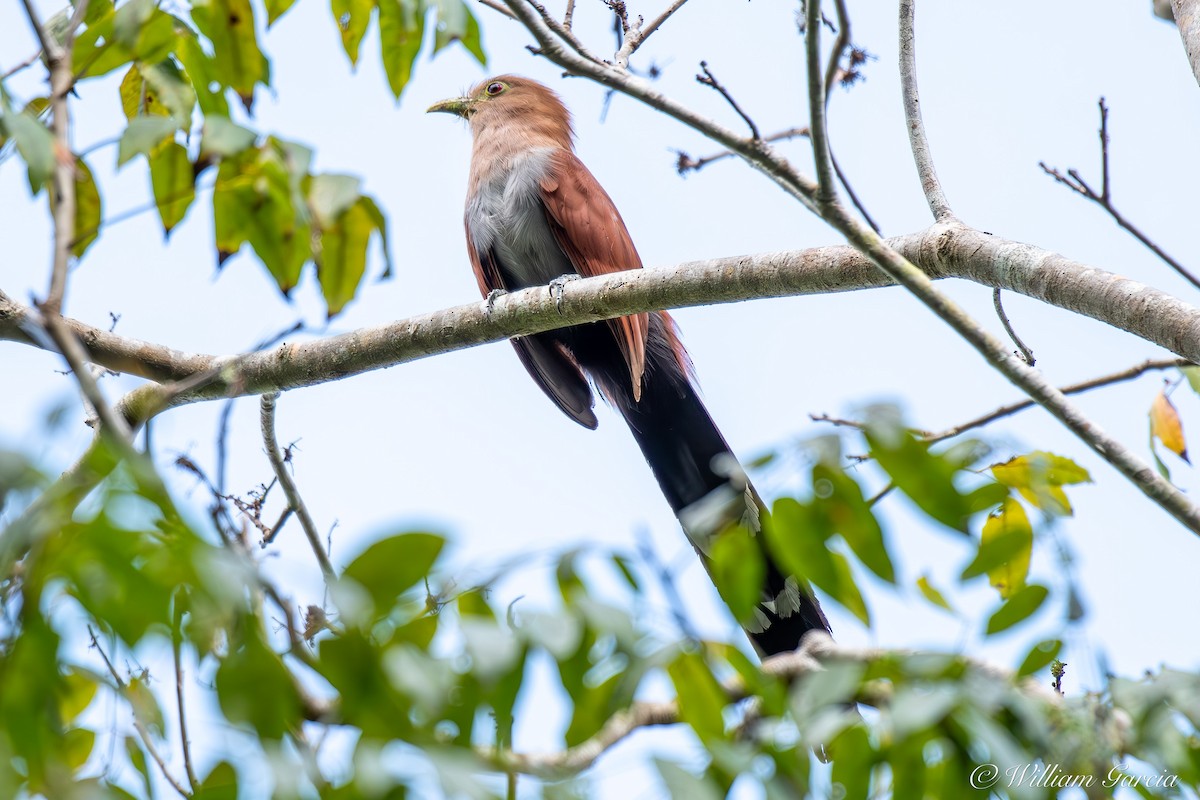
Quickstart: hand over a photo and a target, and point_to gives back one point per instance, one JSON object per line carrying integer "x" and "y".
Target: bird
{"x": 536, "y": 216}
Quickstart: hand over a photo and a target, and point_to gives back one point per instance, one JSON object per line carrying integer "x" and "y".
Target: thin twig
{"x": 684, "y": 163}
{"x": 568, "y": 15}
{"x": 1026, "y": 353}
{"x": 21, "y": 66}
{"x": 73, "y": 352}
{"x": 141, "y": 729}
{"x": 176, "y": 651}
{"x": 845, "y": 182}
{"x": 840, "y": 43}
{"x": 1074, "y": 388}
{"x": 707, "y": 79}
{"x": 637, "y": 36}
{"x": 1075, "y": 182}
{"x": 917, "y": 138}
{"x": 295, "y": 502}
{"x": 495, "y": 5}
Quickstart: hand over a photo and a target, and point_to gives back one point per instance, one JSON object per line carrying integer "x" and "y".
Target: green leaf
{"x": 701, "y": 699}
{"x": 169, "y": 90}
{"x": 89, "y": 210}
{"x": 1007, "y": 535}
{"x": 329, "y": 195}
{"x": 137, "y": 758}
{"x": 455, "y": 23}
{"x": 78, "y": 690}
{"x": 172, "y": 178}
{"x": 144, "y": 705}
{"x": 342, "y": 261}
{"x": 1192, "y": 373}
{"x": 237, "y": 62}
{"x": 142, "y": 135}
{"x": 1040, "y": 656}
{"x": 852, "y": 517}
{"x": 1039, "y": 477}
{"x": 393, "y": 565}
{"x": 254, "y": 686}
{"x": 223, "y": 138}
{"x": 1020, "y": 606}
{"x": 401, "y": 28}
{"x": 796, "y": 536}
{"x": 369, "y": 205}
{"x": 201, "y": 71}
{"x": 931, "y": 593}
{"x": 738, "y": 571}
{"x": 253, "y": 202}
{"x": 276, "y": 9}
{"x": 145, "y": 31}
{"x": 683, "y": 785}
{"x": 77, "y": 746}
{"x": 927, "y": 478}
{"x": 852, "y": 763}
{"x": 220, "y": 784}
{"x": 352, "y": 18}
{"x": 35, "y": 143}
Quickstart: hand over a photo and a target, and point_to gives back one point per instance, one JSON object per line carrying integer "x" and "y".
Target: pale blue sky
{"x": 466, "y": 444}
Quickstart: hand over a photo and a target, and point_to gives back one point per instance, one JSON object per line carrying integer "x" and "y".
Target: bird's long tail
{"x": 705, "y": 486}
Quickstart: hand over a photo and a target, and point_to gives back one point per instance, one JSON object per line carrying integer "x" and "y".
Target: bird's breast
{"x": 505, "y": 215}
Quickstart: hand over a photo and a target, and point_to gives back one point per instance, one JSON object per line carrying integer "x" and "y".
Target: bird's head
{"x": 510, "y": 100}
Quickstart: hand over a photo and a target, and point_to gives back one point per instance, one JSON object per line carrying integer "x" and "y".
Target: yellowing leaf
{"x": 1009, "y": 522}
{"x": 1039, "y": 477}
{"x": 931, "y": 593}
{"x": 1166, "y": 426}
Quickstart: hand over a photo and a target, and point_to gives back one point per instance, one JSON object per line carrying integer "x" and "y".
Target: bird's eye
{"x": 494, "y": 88}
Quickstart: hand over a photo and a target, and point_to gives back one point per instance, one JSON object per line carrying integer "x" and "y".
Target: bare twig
{"x": 76, "y": 357}
{"x": 568, "y": 15}
{"x": 497, "y": 6}
{"x": 33, "y": 59}
{"x": 1187, "y": 19}
{"x": 176, "y": 651}
{"x": 295, "y": 502}
{"x": 142, "y": 732}
{"x": 707, "y": 79}
{"x": 1075, "y": 182}
{"x": 1074, "y": 388}
{"x": 684, "y": 163}
{"x": 917, "y": 138}
{"x": 1026, "y": 353}
{"x": 637, "y": 34}
{"x": 845, "y": 182}
{"x": 840, "y": 43}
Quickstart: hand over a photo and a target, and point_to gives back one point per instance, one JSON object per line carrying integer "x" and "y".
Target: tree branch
{"x": 917, "y": 138}
{"x": 1187, "y": 19}
{"x": 816, "y": 650}
{"x": 942, "y": 251}
{"x": 295, "y": 501}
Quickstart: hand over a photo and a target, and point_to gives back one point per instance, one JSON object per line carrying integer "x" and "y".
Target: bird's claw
{"x": 558, "y": 284}
{"x": 489, "y": 302}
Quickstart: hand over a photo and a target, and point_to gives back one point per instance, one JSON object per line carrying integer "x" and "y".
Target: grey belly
{"x": 506, "y": 216}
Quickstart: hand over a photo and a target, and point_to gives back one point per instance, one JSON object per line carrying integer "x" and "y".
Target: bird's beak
{"x": 460, "y": 106}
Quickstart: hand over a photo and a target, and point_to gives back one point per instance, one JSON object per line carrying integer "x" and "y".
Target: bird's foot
{"x": 489, "y": 302}
{"x": 558, "y": 284}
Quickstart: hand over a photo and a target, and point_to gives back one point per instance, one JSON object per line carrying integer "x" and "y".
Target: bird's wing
{"x": 591, "y": 233}
{"x": 549, "y": 364}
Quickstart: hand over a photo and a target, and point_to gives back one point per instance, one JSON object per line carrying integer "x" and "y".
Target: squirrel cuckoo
{"x": 535, "y": 216}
